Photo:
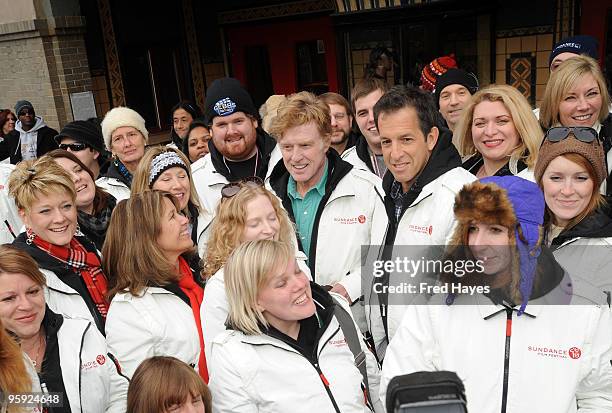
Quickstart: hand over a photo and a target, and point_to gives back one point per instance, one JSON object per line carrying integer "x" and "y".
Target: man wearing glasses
{"x": 32, "y": 138}
{"x": 84, "y": 139}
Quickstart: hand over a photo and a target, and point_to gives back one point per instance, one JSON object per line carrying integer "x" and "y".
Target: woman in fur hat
{"x": 578, "y": 219}
{"x": 515, "y": 343}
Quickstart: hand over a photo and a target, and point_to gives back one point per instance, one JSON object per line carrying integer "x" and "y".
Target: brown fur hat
{"x": 482, "y": 202}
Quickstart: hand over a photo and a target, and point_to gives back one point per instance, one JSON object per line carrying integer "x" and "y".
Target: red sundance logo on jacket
{"x": 361, "y": 219}
{"x": 552, "y": 352}
{"x": 101, "y": 359}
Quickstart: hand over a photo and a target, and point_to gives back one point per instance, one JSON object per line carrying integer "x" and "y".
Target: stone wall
{"x": 44, "y": 60}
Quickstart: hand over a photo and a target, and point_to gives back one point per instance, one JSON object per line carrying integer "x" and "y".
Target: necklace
{"x": 41, "y": 344}
{"x": 256, "y": 159}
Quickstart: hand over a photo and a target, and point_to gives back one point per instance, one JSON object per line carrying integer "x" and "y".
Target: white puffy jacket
{"x": 559, "y": 355}
{"x": 215, "y": 308}
{"x": 203, "y": 231}
{"x": 264, "y": 374}
{"x": 156, "y": 323}
{"x": 114, "y": 187}
{"x": 86, "y": 367}
{"x": 428, "y": 221}
{"x": 8, "y": 209}
{"x": 208, "y": 182}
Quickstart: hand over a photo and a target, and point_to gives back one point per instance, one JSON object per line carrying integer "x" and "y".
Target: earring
{"x": 115, "y": 160}
{"x": 30, "y": 236}
{"x": 78, "y": 232}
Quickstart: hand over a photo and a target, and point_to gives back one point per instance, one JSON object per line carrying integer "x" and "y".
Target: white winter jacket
{"x": 265, "y": 374}
{"x": 215, "y": 308}
{"x": 114, "y": 187}
{"x": 8, "y": 209}
{"x": 559, "y": 355}
{"x": 203, "y": 231}
{"x": 428, "y": 221}
{"x": 350, "y": 155}
{"x": 208, "y": 182}
{"x": 156, "y": 323}
{"x": 86, "y": 367}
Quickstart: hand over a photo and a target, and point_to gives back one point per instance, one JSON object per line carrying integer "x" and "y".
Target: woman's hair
{"x": 161, "y": 382}
{"x": 15, "y": 261}
{"x": 189, "y": 107}
{"x": 33, "y": 178}
{"x": 132, "y": 259}
{"x": 4, "y": 115}
{"x": 140, "y": 182}
{"x": 101, "y": 197}
{"x": 246, "y": 272}
{"x": 562, "y": 80}
{"x": 597, "y": 200}
{"x": 525, "y": 122}
{"x": 14, "y": 376}
{"x": 228, "y": 226}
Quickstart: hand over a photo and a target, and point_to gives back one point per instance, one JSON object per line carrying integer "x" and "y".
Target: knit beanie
{"x": 509, "y": 201}
{"x": 22, "y": 104}
{"x": 591, "y": 151}
{"x": 122, "y": 116}
{"x": 581, "y": 44}
{"x": 227, "y": 96}
{"x": 84, "y": 131}
{"x": 163, "y": 162}
{"x": 435, "y": 69}
{"x": 456, "y": 77}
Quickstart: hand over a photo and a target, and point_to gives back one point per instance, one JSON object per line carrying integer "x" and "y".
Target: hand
{"x": 339, "y": 289}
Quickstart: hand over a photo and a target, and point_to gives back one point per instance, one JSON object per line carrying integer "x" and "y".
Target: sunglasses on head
{"x": 74, "y": 147}
{"x": 582, "y": 133}
{"x": 231, "y": 189}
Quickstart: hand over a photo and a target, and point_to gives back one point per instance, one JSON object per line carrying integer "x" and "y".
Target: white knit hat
{"x": 122, "y": 116}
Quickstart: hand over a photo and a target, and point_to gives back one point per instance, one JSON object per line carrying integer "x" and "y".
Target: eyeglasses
{"x": 231, "y": 189}
{"x": 582, "y": 133}
{"x": 25, "y": 112}
{"x": 74, "y": 147}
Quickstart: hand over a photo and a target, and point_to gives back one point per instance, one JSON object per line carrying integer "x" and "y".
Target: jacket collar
{"x": 596, "y": 225}
{"x": 265, "y": 145}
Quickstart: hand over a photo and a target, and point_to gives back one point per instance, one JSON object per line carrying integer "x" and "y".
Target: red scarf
{"x": 195, "y": 294}
{"x": 83, "y": 262}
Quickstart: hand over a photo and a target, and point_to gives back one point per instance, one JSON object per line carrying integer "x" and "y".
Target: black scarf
{"x": 94, "y": 226}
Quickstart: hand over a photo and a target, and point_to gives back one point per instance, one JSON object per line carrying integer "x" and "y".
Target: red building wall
{"x": 280, "y": 38}
{"x": 593, "y": 21}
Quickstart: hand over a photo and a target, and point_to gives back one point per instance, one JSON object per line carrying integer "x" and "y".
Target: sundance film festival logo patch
{"x": 224, "y": 107}
{"x": 555, "y": 352}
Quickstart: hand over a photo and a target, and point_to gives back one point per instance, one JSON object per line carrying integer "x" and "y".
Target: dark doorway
{"x": 311, "y": 68}
{"x": 258, "y": 74}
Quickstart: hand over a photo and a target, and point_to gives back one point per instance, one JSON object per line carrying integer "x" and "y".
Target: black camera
{"x": 426, "y": 392}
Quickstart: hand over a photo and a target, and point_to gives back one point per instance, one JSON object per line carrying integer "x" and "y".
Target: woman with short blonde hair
{"x": 498, "y": 133}
{"x": 156, "y": 295}
{"x": 166, "y": 384}
{"x": 45, "y": 197}
{"x": 168, "y": 169}
{"x": 281, "y": 322}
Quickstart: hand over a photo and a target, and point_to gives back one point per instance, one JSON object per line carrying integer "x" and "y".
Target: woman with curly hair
{"x": 247, "y": 212}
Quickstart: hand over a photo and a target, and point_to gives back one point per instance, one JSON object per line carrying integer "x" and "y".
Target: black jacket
{"x": 265, "y": 145}
{"x": 336, "y": 170}
{"x": 113, "y": 172}
{"x": 444, "y": 157}
{"x": 596, "y": 225}
{"x": 473, "y": 164}
{"x": 44, "y": 143}
{"x": 64, "y": 272}
{"x": 605, "y": 134}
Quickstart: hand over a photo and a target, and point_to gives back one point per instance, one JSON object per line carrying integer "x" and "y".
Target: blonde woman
{"x": 498, "y": 133}
{"x": 247, "y": 212}
{"x": 167, "y": 169}
{"x": 285, "y": 349}
{"x": 576, "y": 95}
{"x": 156, "y": 297}
{"x": 76, "y": 285}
